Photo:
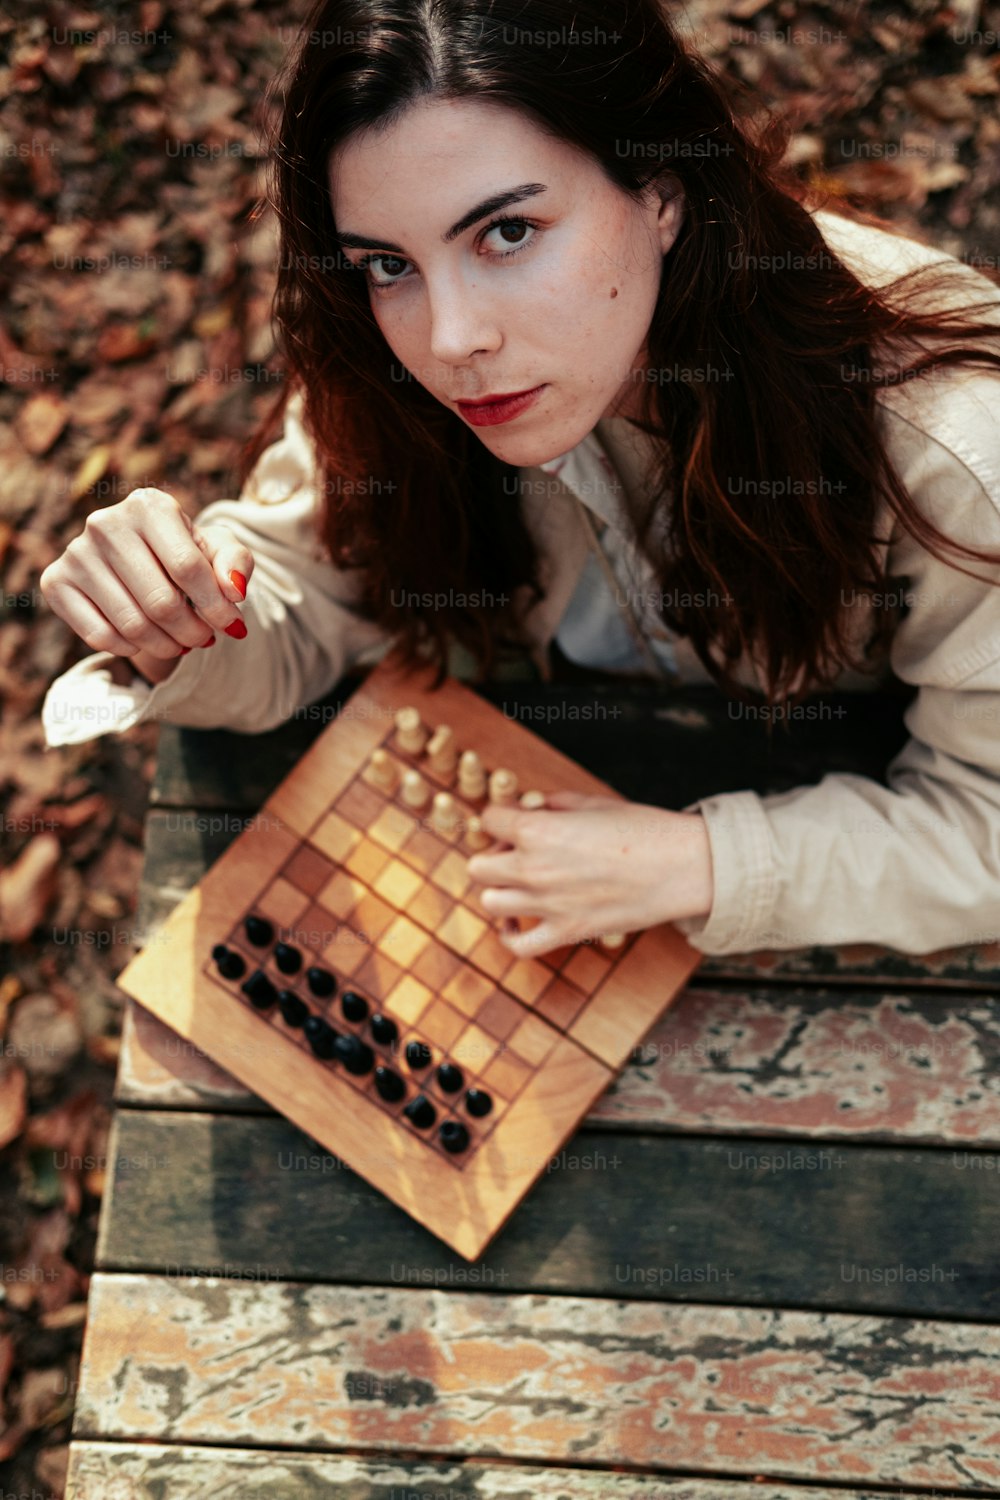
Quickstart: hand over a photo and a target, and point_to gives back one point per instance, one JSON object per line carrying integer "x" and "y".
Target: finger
{"x": 571, "y": 801}
{"x": 146, "y": 606}
{"x": 174, "y": 558}
{"x": 532, "y": 942}
{"x": 231, "y": 562}
{"x": 499, "y": 866}
{"x": 90, "y": 623}
{"x": 501, "y": 822}
{"x": 508, "y": 901}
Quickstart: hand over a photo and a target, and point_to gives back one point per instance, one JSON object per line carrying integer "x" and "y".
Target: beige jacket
{"x": 914, "y": 865}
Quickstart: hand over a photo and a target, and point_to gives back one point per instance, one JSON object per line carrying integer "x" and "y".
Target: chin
{"x": 526, "y": 450}
{"x": 524, "y": 453}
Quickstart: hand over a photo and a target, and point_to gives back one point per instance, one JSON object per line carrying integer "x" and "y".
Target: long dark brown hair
{"x": 414, "y": 499}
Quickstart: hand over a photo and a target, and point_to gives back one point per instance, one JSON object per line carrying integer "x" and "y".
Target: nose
{"x": 462, "y": 322}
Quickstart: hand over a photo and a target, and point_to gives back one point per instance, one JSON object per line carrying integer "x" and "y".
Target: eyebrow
{"x": 488, "y": 206}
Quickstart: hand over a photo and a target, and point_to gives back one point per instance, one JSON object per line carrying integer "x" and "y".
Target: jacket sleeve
{"x": 302, "y": 631}
{"x": 914, "y": 865}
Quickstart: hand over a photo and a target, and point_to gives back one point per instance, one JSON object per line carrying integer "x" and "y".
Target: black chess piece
{"x": 321, "y": 982}
{"x": 384, "y": 1030}
{"x": 292, "y": 1008}
{"x": 454, "y": 1136}
{"x": 259, "y": 931}
{"x": 420, "y": 1112}
{"x": 418, "y": 1056}
{"x": 389, "y": 1085}
{"x": 450, "y": 1077}
{"x": 355, "y": 1054}
{"x": 259, "y": 990}
{"x": 288, "y": 959}
{"x": 354, "y": 1006}
{"x": 478, "y": 1102}
{"x": 320, "y": 1035}
{"x": 228, "y": 962}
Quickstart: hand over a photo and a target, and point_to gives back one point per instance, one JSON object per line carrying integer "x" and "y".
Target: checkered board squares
{"x": 374, "y": 896}
{"x": 417, "y": 870}
{"x": 384, "y": 902}
{"x": 420, "y": 973}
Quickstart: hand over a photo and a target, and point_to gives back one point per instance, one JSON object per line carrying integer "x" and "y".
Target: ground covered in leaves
{"x": 135, "y": 348}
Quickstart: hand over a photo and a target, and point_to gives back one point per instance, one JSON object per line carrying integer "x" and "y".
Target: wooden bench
{"x": 768, "y": 1265}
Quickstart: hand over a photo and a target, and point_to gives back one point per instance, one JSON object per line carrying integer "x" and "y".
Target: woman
{"x": 771, "y": 426}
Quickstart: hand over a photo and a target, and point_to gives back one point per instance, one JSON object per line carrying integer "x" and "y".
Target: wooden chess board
{"x": 337, "y": 960}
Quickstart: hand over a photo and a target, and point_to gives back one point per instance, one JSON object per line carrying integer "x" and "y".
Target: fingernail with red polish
{"x": 239, "y": 582}
{"x": 185, "y": 650}
{"x": 237, "y": 630}
{"x": 209, "y": 642}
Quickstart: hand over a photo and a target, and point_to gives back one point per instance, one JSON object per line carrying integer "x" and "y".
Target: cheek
{"x": 391, "y": 326}
{"x": 604, "y": 285}
{"x": 401, "y": 335}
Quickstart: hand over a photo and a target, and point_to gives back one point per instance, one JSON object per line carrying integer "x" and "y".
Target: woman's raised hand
{"x": 143, "y": 581}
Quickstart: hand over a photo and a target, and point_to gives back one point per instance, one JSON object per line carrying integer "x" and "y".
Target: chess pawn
{"x": 411, "y": 732}
{"x": 471, "y": 776}
{"x": 415, "y": 789}
{"x": 445, "y": 814}
{"x": 442, "y": 752}
{"x": 503, "y": 788}
{"x": 477, "y": 839}
{"x": 612, "y": 939}
{"x": 532, "y": 799}
{"x": 383, "y": 770}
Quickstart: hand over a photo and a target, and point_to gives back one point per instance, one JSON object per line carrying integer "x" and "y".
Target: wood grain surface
{"x": 644, "y": 1217}
{"x": 157, "y": 1471}
{"x": 540, "y": 1379}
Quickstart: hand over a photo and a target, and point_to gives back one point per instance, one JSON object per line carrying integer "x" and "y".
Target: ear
{"x": 671, "y": 211}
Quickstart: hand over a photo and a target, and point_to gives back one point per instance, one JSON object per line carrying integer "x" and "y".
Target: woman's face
{"x": 568, "y": 310}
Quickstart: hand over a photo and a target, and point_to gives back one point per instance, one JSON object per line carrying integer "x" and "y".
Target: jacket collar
{"x": 588, "y": 471}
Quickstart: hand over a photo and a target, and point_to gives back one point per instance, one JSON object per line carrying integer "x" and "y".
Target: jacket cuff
{"x": 745, "y": 876}
{"x": 84, "y": 702}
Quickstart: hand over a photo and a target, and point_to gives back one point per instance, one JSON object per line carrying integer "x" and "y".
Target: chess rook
{"x": 411, "y": 732}
{"x": 471, "y": 776}
{"x": 503, "y": 788}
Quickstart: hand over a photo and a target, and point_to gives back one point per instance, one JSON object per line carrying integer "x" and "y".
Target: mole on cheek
{"x": 614, "y": 291}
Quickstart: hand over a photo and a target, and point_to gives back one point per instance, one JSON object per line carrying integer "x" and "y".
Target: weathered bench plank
{"x": 154, "y": 1471}
{"x": 767, "y": 1223}
{"x": 721, "y": 1390}
{"x": 870, "y": 1065}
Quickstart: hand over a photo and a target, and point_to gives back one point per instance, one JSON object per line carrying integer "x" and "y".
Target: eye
{"x": 368, "y": 261}
{"x": 507, "y": 224}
